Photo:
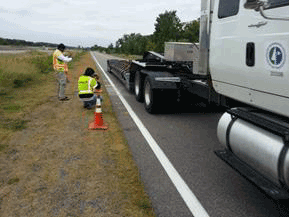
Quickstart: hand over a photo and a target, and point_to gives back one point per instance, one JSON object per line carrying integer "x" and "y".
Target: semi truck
{"x": 242, "y": 63}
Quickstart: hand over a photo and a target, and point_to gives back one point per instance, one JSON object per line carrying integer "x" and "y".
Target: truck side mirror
{"x": 252, "y": 4}
{"x": 261, "y": 5}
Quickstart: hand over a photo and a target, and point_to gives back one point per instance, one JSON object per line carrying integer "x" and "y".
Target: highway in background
{"x": 6, "y": 49}
{"x": 188, "y": 139}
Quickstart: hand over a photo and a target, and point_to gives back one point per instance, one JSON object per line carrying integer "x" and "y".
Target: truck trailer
{"x": 241, "y": 62}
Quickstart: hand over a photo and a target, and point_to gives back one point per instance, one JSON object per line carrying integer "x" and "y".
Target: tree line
{"x": 168, "y": 27}
{"x": 17, "y": 42}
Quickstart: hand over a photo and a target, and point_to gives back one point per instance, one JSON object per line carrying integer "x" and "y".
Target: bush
{"x": 43, "y": 63}
{"x": 21, "y": 83}
{"x": 19, "y": 70}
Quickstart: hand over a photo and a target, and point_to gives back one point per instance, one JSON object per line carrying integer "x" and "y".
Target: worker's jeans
{"x": 61, "y": 77}
{"x": 89, "y": 104}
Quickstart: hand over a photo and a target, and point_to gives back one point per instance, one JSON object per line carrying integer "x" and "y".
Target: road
{"x": 188, "y": 140}
{"x": 6, "y": 49}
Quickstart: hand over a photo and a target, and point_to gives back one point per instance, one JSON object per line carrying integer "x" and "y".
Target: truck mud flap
{"x": 253, "y": 176}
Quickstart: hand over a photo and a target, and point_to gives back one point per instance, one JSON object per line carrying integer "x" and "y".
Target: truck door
{"x": 226, "y": 60}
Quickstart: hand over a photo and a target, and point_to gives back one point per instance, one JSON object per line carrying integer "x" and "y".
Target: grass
{"x": 20, "y": 78}
{"x": 2, "y": 147}
{"x": 13, "y": 124}
{"x": 20, "y": 74}
{"x": 26, "y": 81}
{"x": 13, "y": 180}
{"x": 50, "y": 164}
{"x": 122, "y": 166}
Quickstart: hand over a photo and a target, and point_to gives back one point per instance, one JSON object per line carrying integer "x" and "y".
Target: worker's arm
{"x": 97, "y": 86}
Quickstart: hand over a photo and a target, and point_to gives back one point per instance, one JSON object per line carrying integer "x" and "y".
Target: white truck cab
{"x": 244, "y": 49}
{"x": 247, "y": 48}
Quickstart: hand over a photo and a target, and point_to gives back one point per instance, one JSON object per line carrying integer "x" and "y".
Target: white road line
{"x": 190, "y": 199}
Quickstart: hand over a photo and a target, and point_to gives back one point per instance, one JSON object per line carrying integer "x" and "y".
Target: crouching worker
{"x": 87, "y": 84}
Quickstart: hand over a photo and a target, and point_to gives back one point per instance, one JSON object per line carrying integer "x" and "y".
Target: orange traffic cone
{"x": 98, "y": 124}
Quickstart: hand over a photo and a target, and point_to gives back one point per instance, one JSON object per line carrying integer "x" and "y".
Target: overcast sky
{"x": 86, "y": 22}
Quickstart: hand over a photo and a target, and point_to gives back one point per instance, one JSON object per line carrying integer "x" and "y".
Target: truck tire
{"x": 138, "y": 87}
{"x": 151, "y": 99}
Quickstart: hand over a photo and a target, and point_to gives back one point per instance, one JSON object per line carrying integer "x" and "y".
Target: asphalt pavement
{"x": 188, "y": 139}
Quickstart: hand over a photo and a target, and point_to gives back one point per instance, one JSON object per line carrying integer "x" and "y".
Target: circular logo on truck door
{"x": 275, "y": 55}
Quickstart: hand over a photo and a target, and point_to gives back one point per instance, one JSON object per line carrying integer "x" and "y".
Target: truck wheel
{"x": 138, "y": 87}
{"x": 150, "y": 97}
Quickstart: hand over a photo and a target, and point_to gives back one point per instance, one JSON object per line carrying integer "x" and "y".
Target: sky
{"x": 86, "y": 23}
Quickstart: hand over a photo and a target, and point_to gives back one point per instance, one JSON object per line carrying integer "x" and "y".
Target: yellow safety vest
{"x": 58, "y": 64}
{"x": 86, "y": 84}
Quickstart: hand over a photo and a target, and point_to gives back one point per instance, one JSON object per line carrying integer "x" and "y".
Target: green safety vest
{"x": 86, "y": 84}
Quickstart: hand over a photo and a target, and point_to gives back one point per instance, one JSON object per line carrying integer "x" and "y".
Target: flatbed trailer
{"x": 157, "y": 81}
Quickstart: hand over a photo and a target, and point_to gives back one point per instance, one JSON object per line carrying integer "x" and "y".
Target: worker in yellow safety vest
{"x": 60, "y": 66}
{"x": 87, "y": 85}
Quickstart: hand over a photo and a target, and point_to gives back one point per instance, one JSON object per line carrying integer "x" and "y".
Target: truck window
{"x": 277, "y": 3}
{"x": 228, "y": 8}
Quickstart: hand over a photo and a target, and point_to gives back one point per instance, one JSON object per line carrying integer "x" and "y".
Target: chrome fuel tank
{"x": 257, "y": 147}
